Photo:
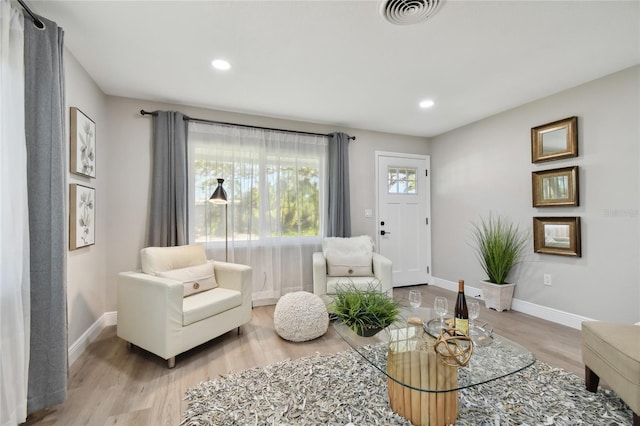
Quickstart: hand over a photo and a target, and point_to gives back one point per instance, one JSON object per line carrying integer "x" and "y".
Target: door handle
{"x": 384, "y": 232}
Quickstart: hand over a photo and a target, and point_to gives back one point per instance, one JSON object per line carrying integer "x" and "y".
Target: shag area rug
{"x": 343, "y": 389}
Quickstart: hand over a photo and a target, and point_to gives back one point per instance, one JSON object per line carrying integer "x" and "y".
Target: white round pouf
{"x": 300, "y": 316}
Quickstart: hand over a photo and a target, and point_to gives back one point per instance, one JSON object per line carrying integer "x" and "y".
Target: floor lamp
{"x": 219, "y": 196}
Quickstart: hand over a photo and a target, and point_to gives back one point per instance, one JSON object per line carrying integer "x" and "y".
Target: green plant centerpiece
{"x": 499, "y": 245}
{"x": 365, "y": 311}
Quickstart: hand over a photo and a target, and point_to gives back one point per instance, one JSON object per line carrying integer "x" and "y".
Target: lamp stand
{"x": 226, "y": 233}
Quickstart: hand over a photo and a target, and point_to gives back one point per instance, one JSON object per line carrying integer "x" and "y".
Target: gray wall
{"x": 128, "y": 150}
{"x": 486, "y": 166}
{"x": 86, "y": 267}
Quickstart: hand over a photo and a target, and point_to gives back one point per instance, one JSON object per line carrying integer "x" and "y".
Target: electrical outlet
{"x": 547, "y": 279}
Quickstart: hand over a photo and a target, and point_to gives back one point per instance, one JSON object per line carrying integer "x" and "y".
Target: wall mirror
{"x": 556, "y": 187}
{"x": 555, "y": 140}
{"x": 557, "y": 235}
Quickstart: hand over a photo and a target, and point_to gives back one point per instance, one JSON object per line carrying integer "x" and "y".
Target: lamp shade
{"x": 219, "y": 196}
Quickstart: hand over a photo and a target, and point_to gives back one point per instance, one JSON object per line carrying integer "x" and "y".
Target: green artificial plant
{"x": 499, "y": 245}
{"x": 364, "y": 309}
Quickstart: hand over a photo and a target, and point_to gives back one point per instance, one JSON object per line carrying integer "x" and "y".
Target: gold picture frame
{"x": 557, "y": 235}
{"x": 555, "y": 187}
{"x": 82, "y": 156}
{"x": 554, "y": 141}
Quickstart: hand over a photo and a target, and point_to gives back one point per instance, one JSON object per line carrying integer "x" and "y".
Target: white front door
{"x": 403, "y": 231}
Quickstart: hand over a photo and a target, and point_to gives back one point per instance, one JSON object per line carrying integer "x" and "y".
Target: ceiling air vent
{"x": 408, "y": 12}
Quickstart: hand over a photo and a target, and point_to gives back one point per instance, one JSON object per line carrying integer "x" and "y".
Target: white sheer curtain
{"x": 276, "y": 186}
{"x": 14, "y": 224}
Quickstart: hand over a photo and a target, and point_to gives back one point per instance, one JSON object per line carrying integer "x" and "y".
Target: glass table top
{"x": 493, "y": 356}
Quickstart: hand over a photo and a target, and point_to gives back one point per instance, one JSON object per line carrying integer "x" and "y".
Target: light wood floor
{"x": 110, "y": 385}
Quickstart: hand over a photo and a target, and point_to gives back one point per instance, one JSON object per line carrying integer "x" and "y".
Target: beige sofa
{"x": 350, "y": 261}
{"x": 611, "y": 352}
{"x": 156, "y": 311}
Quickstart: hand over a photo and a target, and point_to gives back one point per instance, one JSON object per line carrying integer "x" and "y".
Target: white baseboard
{"x": 469, "y": 290}
{"x": 264, "y": 302}
{"x": 79, "y": 346}
{"x": 550, "y": 314}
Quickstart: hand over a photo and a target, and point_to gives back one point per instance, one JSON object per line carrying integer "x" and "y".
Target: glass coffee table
{"x": 422, "y": 388}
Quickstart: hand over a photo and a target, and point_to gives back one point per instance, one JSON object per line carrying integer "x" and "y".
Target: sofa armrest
{"x": 235, "y": 276}
{"x": 149, "y": 308}
{"x": 383, "y": 271}
{"x": 319, "y": 274}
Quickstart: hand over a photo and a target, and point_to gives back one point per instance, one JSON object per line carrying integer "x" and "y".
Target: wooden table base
{"x": 422, "y": 368}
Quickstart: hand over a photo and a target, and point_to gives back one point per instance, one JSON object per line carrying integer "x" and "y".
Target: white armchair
{"x": 349, "y": 261}
{"x": 180, "y": 300}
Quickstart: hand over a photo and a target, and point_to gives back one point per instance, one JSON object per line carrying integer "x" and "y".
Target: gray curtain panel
{"x": 46, "y": 168}
{"x": 169, "y": 196}
{"x": 339, "y": 220}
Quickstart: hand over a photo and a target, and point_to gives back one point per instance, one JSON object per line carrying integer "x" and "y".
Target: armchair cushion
{"x": 334, "y": 284}
{"x": 209, "y": 303}
{"x": 160, "y": 259}
{"x": 194, "y": 278}
{"x": 348, "y": 256}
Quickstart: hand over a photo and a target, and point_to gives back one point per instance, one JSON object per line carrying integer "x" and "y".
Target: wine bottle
{"x": 461, "y": 313}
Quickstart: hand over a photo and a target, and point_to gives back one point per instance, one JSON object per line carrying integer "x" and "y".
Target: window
{"x": 401, "y": 180}
{"x": 275, "y": 183}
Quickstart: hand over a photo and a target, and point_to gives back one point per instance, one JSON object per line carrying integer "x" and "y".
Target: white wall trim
{"x": 469, "y": 291}
{"x": 550, "y": 314}
{"x": 78, "y": 347}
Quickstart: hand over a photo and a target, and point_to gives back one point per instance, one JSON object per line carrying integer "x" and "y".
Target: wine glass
{"x": 415, "y": 299}
{"x": 474, "y": 311}
{"x": 441, "y": 307}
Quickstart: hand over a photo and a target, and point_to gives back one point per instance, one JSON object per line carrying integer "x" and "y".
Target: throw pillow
{"x": 194, "y": 278}
{"x": 348, "y": 256}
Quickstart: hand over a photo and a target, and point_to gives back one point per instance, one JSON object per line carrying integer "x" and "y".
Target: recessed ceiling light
{"x": 428, "y": 103}
{"x": 220, "y": 64}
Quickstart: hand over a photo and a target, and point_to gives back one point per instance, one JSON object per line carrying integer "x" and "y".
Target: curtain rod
{"x": 201, "y": 120}
{"x": 36, "y": 21}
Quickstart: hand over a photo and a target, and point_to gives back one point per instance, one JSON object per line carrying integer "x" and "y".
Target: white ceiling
{"x": 340, "y": 63}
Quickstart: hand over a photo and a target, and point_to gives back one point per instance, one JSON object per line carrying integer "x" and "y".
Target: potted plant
{"x": 365, "y": 311}
{"x": 499, "y": 245}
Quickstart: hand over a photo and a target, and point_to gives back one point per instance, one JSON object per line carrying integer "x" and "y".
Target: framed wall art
{"x": 557, "y": 235}
{"x": 556, "y": 187}
{"x": 554, "y": 141}
{"x": 82, "y": 215}
{"x": 83, "y": 144}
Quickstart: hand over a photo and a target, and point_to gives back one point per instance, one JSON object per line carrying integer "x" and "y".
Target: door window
{"x": 401, "y": 180}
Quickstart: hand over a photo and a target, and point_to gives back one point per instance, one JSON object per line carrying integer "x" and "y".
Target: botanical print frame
{"x": 82, "y": 215}
{"x": 555, "y": 187}
{"x": 83, "y": 144}
{"x": 554, "y": 141}
{"x": 557, "y": 235}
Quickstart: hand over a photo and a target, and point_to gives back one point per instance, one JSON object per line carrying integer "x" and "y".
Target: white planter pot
{"x": 497, "y": 296}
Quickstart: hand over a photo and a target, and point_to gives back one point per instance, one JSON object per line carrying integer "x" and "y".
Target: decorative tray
{"x": 434, "y": 326}
{"x": 480, "y": 334}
